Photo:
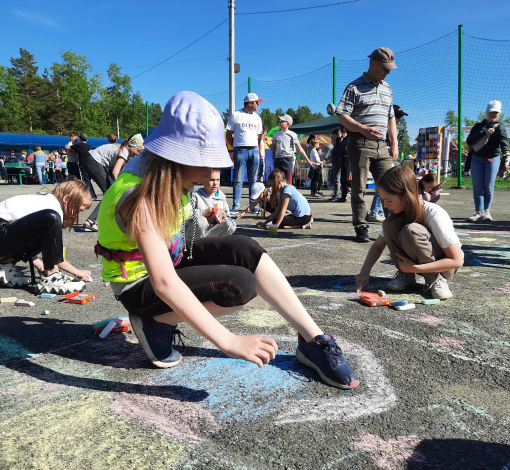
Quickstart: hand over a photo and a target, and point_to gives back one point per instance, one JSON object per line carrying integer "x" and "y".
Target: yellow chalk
{"x": 5, "y": 300}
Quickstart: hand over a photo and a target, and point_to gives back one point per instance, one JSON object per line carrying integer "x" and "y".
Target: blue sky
{"x": 272, "y": 46}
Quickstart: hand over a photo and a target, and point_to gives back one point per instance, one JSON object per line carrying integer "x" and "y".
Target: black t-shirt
{"x": 82, "y": 149}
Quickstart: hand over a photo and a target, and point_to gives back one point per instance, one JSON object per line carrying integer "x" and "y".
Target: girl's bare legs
{"x": 274, "y": 288}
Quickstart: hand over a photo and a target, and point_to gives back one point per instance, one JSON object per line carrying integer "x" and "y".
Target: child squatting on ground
{"x": 286, "y": 197}
{"x": 162, "y": 279}
{"x": 33, "y": 224}
{"x": 209, "y": 224}
{"x": 428, "y": 189}
{"x": 419, "y": 235}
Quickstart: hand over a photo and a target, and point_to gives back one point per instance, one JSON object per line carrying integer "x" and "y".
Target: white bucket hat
{"x": 493, "y": 106}
{"x": 190, "y": 132}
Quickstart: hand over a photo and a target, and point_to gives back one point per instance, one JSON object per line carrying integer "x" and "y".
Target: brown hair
{"x": 112, "y": 138}
{"x": 78, "y": 194}
{"x": 428, "y": 178}
{"x": 274, "y": 176}
{"x": 160, "y": 194}
{"x": 401, "y": 181}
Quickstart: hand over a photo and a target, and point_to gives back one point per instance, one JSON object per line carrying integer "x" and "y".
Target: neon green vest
{"x": 112, "y": 233}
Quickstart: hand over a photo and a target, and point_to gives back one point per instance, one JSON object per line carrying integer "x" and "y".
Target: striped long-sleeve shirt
{"x": 368, "y": 103}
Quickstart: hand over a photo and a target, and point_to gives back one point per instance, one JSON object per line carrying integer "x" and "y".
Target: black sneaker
{"x": 157, "y": 340}
{"x": 323, "y": 355}
{"x": 362, "y": 235}
{"x": 342, "y": 199}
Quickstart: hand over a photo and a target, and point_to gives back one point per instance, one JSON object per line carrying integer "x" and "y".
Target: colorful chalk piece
{"x": 5, "y": 300}
{"x": 47, "y": 296}
{"x": 24, "y": 303}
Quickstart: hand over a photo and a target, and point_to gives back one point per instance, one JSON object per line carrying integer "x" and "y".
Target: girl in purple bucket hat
{"x": 163, "y": 279}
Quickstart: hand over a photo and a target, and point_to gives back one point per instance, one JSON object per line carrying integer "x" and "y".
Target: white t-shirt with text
{"x": 107, "y": 154}
{"x": 246, "y": 128}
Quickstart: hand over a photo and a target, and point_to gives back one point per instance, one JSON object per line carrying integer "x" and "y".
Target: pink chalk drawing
{"x": 504, "y": 289}
{"x": 183, "y": 420}
{"x": 389, "y": 454}
{"x": 448, "y": 341}
{"x": 424, "y": 318}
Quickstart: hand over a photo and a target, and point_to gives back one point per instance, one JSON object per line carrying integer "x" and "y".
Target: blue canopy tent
{"x": 28, "y": 142}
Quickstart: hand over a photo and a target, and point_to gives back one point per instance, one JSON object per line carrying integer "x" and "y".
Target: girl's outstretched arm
{"x": 284, "y": 203}
{"x": 272, "y": 216}
{"x": 81, "y": 274}
{"x": 175, "y": 293}
{"x": 373, "y": 255}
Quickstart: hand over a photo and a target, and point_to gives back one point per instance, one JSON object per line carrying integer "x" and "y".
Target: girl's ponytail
{"x": 273, "y": 179}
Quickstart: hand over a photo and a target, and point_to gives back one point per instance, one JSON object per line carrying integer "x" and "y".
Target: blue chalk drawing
{"x": 11, "y": 350}
{"x": 460, "y": 234}
{"x": 238, "y": 389}
{"x": 504, "y": 236}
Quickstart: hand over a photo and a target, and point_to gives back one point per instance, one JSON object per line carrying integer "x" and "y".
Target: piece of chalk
{"x": 381, "y": 293}
{"x": 430, "y": 301}
{"x": 47, "y": 296}
{"x": 399, "y": 303}
{"x": 118, "y": 321}
{"x": 24, "y": 303}
{"x": 8, "y": 299}
{"x": 405, "y": 307}
{"x": 107, "y": 329}
{"x": 46, "y": 312}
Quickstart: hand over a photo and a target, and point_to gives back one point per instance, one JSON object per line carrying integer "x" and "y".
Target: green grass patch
{"x": 468, "y": 183}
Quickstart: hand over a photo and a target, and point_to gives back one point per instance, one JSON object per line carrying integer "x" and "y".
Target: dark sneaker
{"x": 157, "y": 340}
{"x": 325, "y": 357}
{"x": 362, "y": 235}
{"x": 342, "y": 199}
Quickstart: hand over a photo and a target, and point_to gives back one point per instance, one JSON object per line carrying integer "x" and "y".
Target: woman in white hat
{"x": 488, "y": 140}
{"x": 162, "y": 279}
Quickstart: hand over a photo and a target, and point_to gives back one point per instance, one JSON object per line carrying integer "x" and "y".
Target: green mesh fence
{"x": 425, "y": 84}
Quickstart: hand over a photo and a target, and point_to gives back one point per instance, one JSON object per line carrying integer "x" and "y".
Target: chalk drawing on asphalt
{"x": 240, "y": 390}
{"x": 389, "y": 454}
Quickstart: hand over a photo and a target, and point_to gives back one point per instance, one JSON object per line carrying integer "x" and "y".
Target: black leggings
{"x": 41, "y": 231}
{"x": 221, "y": 271}
{"x": 293, "y": 220}
{"x": 96, "y": 173}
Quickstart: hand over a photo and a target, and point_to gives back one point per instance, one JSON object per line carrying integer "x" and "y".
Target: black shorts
{"x": 221, "y": 271}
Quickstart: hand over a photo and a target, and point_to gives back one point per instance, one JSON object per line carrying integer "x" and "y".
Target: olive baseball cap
{"x": 384, "y": 55}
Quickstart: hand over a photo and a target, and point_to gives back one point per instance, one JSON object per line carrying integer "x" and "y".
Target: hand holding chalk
{"x": 361, "y": 280}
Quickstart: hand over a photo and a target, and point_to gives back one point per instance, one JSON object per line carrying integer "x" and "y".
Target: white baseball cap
{"x": 252, "y": 97}
{"x": 493, "y": 106}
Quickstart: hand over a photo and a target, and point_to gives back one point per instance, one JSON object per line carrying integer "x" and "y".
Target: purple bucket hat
{"x": 190, "y": 132}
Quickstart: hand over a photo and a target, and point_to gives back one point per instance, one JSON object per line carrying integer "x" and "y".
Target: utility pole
{"x": 231, "y": 58}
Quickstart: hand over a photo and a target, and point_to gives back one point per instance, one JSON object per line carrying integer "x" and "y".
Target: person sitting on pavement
{"x": 212, "y": 214}
{"x": 285, "y": 197}
{"x": 419, "y": 235}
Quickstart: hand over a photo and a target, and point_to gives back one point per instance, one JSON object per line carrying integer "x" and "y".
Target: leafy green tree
{"x": 11, "y": 112}
{"x": 155, "y": 113}
{"x": 29, "y": 88}
{"x": 269, "y": 119}
{"x": 405, "y": 146}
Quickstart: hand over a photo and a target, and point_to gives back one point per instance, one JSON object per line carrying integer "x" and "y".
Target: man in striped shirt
{"x": 366, "y": 109}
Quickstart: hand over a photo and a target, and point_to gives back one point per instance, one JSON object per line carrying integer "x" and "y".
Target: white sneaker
{"x": 11, "y": 276}
{"x": 58, "y": 283}
{"x": 487, "y": 215}
{"x": 475, "y": 217}
{"x": 401, "y": 281}
{"x": 440, "y": 289}
{"x": 376, "y": 218}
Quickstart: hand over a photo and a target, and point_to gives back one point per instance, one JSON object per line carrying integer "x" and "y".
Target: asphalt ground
{"x": 434, "y": 381}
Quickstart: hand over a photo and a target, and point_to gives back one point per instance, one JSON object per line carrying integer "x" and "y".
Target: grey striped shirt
{"x": 367, "y": 103}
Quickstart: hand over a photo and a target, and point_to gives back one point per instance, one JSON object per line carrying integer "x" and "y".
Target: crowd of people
{"x": 170, "y": 253}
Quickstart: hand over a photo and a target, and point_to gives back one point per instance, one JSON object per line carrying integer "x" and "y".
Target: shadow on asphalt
{"x": 458, "y": 454}
{"x": 295, "y": 234}
{"x": 495, "y": 225}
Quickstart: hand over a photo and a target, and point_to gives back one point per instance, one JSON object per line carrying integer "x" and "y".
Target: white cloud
{"x": 36, "y": 18}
